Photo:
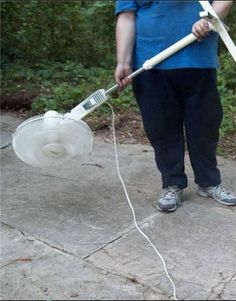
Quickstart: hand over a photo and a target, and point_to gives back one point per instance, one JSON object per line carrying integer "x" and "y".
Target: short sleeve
{"x": 124, "y": 5}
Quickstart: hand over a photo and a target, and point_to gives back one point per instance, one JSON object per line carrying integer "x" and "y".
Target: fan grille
{"x": 42, "y": 141}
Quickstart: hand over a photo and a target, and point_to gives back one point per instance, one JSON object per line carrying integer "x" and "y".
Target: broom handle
{"x": 149, "y": 64}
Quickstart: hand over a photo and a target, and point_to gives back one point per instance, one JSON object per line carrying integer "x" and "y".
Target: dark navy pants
{"x": 179, "y": 106}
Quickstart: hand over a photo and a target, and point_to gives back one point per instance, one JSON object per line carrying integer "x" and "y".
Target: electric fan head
{"x": 52, "y": 139}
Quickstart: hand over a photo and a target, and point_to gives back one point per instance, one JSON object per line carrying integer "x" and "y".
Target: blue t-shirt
{"x": 160, "y": 24}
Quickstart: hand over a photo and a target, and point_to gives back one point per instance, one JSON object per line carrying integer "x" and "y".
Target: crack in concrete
{"x": 32, "y": 282}
{"x": 31, "y": 238}
{"x": 106, "y": 244}
{"x": 126, "y": 232}
{"x": 46, "y": 176}
{"x": 49, "y": 245}
{"x": 9, "y": 226}
{"x": 120, "y": 236}
{"x": 225, "y": 283}
{"x": 145, "y": 293}
{"x": 221, "y": 285}
{"x": 129, "y": 278}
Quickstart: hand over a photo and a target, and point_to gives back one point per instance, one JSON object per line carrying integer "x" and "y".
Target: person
{"x": 178, "y": 98}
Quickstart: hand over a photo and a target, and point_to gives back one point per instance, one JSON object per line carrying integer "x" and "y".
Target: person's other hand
{"x": 121, "y": 73}
{"x": 201, "y": 29}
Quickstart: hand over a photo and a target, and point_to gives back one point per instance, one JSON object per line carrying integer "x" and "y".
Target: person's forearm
{"x": 125, "y": 36}
{"x": 222, "y": 8}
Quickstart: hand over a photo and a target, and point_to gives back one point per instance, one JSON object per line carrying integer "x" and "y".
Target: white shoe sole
{"x": 205, "y": 195}
{"x": 169, "y": 210}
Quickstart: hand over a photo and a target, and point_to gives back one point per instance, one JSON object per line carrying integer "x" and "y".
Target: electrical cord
{"x": 132, "y": 208}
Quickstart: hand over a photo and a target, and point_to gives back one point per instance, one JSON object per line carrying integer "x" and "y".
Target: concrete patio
{"x": 67, "y": 233}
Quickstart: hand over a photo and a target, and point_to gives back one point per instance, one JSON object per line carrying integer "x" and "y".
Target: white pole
{"x": 169, "y": 51}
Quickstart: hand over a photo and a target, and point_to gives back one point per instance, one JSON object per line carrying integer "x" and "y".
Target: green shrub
{"x": 227, "y": 89}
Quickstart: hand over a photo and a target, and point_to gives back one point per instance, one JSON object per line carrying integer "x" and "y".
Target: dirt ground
{"x": 129, "y": 129}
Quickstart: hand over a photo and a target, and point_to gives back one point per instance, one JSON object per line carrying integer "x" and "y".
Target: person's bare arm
{"x": 222, "y": 8}
{"x": 201, "y": 28}
{"x": 125, "y": 37}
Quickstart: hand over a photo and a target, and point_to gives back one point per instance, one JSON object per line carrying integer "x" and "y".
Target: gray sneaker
{"x": 219, "y": 193}
{"x": 170, "y": 199}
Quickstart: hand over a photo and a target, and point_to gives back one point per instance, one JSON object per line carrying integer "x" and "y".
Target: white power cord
{"x": 132, "y": 208}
